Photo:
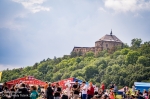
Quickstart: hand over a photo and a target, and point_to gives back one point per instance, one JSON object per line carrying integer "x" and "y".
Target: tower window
{"x": 106, "y": 45}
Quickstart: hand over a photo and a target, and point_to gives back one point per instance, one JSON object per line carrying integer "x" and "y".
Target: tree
{"x": 125, "y": 51}
{"x": 89, "y": 54}
{"x": 125, "y": 45}
{"x": 136, "y": 43}
{"x": 90, "y": 71}
{"x": 35, "y": 65}
{"x": 73, "y": 54}
{"x": 132, "y": 57}
{"x": 101, "y": 53}
{"x": 78, "y": 60}
{"x": 142, "y": 60}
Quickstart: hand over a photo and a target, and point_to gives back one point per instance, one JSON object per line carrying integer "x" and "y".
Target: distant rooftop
{"x": 110, "y": 38}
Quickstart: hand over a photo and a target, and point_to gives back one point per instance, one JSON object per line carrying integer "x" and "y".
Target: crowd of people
{"x": 18, "y": 91}
{"x": 75, "y": 91}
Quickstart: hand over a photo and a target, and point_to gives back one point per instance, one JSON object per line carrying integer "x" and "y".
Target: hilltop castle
{"x": 107, "y": 42}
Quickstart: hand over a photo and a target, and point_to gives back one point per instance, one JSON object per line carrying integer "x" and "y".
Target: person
{"x": 96, "y": 89}
{"x": 84, "y": 90}
{"x": 100, "y": 93}
{"x": 111, "y": 95}
{"x": 145, "y": 94}
{"x": 125, "y": 89}
{"x": 4, "y": 87}
{"x": 64, "y": 96}
{"x": 67, "y": 90}
{"x": 34, "y": 94}
{"x": 12, "y": 91}
{"x": 133, "y": 89}
{"x": 39, "y": 90}
{"x": 57, "y": 91}
{"x": 45, "y": 88}
{"x": 111, "y": 86}
{"x": 50, "y": 91}
{"x": 149, "y": 94}
{"x": 76, "y": 90}
{"x": 90, "y": 91}
{"x": 22, "y": 92}
{"x": 139, "y": 95}
{"x": 115, "y": 89}
{"x": 5, "y": 93}
{"x": 106, "y": 93}
{"x": 128, "y": 93}
{"x": 17, "y": 85}
{"x": 103, "y": 87}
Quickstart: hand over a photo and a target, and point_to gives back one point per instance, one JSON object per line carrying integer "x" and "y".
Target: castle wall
{"x": 85, "y": 50}
{"x": 107, "y": 45}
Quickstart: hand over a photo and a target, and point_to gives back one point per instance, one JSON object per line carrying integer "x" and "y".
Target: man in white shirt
{"x": 84, "y": 90}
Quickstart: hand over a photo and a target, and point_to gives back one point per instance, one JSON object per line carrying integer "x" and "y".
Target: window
{"x": 106, "y": 45}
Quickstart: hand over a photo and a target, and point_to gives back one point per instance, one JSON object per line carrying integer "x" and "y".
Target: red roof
{"x": 27, "y": 80}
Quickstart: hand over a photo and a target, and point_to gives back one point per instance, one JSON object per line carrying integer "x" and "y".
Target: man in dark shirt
{"x": 50, "y": 92}
{"x": 76, "y": 90}
{"x": 22, "y": 92}
{"x": 57, "y": 92}
{"x": 5, "y": 93}
{"x": 140, "y": 95}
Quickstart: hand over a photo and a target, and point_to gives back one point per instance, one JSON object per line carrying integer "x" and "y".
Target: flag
{"x": 0, "y": 75}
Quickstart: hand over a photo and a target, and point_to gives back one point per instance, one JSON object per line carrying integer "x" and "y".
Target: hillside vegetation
{"x": 122, "y": 66}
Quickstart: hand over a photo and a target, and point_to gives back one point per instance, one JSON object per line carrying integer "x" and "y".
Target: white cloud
{"x": 33, "y": 5}
{"x": 127, "y": 5}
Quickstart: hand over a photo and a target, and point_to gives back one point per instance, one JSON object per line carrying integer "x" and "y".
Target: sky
{"x": 33, "y": 30}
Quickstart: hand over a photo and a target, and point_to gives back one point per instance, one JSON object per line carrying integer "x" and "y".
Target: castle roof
{"x": 110, "y": 37}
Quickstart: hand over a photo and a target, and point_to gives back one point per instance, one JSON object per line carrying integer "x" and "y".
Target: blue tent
{"x": 142, "y": 86}
{"x": 79, "y": 81}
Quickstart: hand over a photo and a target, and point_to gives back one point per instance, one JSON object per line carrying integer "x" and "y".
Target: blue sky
{"x": 33, "y": 30}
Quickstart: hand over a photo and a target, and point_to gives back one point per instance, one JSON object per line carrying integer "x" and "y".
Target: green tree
{"x": 73, "y": 54}
{"x": 78, "y": 60}
{"x": 136, "y": 42}
{"x": 132, "y": 57}
{"x": 142, "y": 60}
{"x": 89, "y": 54}
{"x": 125, "y": 51}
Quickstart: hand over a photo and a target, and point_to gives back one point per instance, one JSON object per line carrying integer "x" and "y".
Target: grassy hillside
{"x": 122, "y": 66}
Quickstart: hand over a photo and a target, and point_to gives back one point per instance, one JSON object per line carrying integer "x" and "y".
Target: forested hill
{"x": 122, "y": 66}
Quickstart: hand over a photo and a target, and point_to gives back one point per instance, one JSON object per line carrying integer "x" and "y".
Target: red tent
{"x": 29, "y": 80}
{"x": 63, "y": 82}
